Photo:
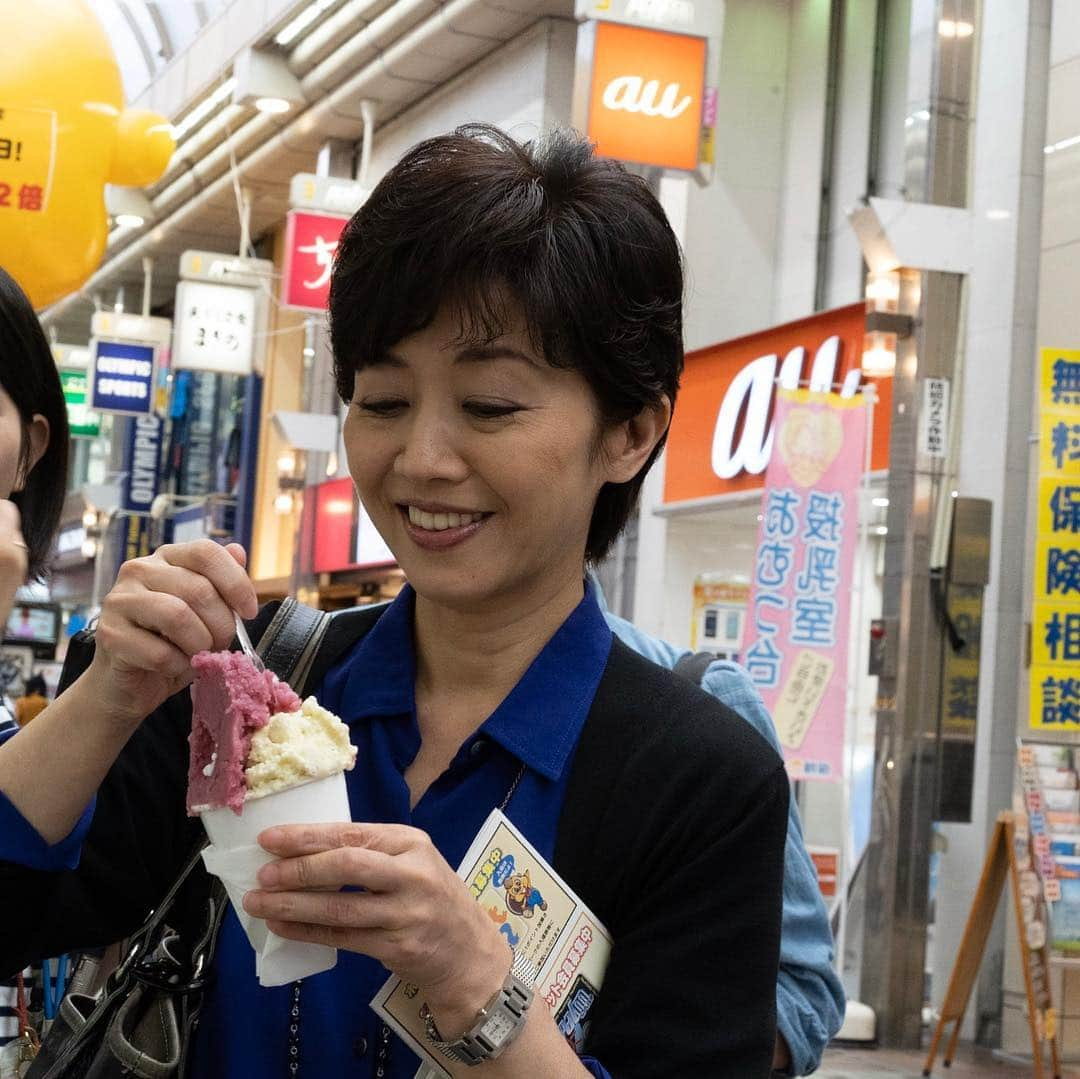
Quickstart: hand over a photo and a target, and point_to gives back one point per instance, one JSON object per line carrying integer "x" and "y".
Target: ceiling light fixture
{"x": 273, "y": 105}
{"x": 879, "y": 354}
{"x": 955, "y": 28}
{"x": 127, "y": 206}
{"x": 264, "y": 80}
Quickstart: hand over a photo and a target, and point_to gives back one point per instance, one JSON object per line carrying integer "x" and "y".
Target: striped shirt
{"x": 9, "y": 1013}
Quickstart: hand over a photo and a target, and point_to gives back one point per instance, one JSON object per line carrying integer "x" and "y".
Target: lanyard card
{"x": 542, "y": 920}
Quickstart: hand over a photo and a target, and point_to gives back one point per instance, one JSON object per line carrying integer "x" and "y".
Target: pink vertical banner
{"x": 796, "y": 637}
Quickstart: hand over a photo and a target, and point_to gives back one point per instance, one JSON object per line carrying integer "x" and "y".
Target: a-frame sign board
{"x": 1003, "y": 860}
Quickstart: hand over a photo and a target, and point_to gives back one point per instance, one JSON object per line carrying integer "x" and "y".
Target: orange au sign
{"x": 722, "y": 435}
{"x": 645, "y": 103}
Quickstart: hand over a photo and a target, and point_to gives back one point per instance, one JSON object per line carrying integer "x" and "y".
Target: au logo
{"x": 632, "y": 94}
{"x": 748, "y": 446}
{"x": 645, "y": 102}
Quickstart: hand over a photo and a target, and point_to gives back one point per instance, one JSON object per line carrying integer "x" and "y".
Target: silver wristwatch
{"x": 496, "y": 1026}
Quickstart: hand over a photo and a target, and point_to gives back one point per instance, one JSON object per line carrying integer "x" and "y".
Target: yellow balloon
{"x": 64, "y": 134}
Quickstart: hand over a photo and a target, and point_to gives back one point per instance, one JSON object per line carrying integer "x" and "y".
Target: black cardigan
{"x": 672, "y": 831}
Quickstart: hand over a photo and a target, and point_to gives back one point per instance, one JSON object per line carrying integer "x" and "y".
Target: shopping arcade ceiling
{"x": 147, "y": 34}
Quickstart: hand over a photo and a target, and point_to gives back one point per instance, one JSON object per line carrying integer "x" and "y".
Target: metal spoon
{"x": 245, "y": 644}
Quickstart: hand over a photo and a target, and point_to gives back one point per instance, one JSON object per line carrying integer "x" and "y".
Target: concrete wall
{"x": 731, "y": 247}
{"x": 523, "y": 87}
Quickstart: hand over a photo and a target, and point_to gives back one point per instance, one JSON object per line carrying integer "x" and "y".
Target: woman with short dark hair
{"x": 506, "y": 326}
{"x": 33, "y": 444}
{"x": 33, "y": 473}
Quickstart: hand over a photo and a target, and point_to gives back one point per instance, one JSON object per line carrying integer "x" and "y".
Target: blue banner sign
{"x": 142, "y": 463}
{"x": 123, "y": 378}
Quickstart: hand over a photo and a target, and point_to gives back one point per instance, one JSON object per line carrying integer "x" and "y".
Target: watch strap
{"x": 496, "y": 1025}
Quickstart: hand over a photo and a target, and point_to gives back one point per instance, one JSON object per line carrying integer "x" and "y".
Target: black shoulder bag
{"x": 141, "y": 1024}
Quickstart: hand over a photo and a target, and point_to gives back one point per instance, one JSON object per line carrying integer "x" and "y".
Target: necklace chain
{"x": 293, "y": 1057}
{"x": 382, "y": 1056}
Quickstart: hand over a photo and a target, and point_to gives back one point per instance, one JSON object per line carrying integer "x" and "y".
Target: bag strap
{"x": 137, "y": 943}
{"x": 694, "y": 665}
{"x": 291, "y": 641}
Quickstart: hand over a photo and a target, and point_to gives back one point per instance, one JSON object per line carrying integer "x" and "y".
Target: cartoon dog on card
{"x": 521, "y": 897}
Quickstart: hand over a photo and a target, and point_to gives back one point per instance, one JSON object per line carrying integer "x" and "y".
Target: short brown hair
{"x": 580, "y": 243}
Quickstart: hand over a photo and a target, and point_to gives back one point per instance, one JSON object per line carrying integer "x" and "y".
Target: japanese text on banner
{"x": 796, "y": 639}
{"x": 1055, "y": 669}
{"x": 27, "y": 149}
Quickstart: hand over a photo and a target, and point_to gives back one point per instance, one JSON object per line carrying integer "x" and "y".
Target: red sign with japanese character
{"x": 310, "y": 246}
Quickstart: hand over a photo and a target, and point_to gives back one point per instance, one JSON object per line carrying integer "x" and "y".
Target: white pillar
{"x": 648, "y": 612}
{"x": 996, "y": 408}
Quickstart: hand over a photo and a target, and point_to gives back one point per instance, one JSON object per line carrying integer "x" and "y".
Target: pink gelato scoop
{"x": 232, "y": 700}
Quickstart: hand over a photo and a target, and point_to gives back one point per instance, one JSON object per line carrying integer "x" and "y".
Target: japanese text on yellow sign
{"x": 27, "y": 145}
{"x": 1055, "y": 670}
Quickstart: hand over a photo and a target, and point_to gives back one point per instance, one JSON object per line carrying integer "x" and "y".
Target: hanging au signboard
{"x": 646, "y": 94}
{"x": 796, "y": 639}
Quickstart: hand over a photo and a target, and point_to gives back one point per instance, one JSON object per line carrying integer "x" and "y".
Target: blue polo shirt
{"x": 245, "y": 1028}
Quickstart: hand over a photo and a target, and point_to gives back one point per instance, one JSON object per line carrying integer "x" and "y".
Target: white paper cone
{"x": 236, "y": 857}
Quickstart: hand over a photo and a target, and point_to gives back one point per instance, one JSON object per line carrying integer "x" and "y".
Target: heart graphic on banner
{"x": 810, "y": 440}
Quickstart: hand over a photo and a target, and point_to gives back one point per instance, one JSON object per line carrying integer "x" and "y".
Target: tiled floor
{"x": 890, "y": 1064}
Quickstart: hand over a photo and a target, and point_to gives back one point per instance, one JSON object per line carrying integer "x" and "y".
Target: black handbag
{"x": 141, "y": 1024}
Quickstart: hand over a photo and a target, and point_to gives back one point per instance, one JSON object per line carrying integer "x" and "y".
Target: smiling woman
{"x": 506, "y": 325}
{"x": 563, "y": 258}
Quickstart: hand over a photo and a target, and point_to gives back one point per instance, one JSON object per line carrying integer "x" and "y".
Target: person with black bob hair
{"x": 573, "y": 245}
{"x": 33, "y": 444}
{"x": 506, "y": 325}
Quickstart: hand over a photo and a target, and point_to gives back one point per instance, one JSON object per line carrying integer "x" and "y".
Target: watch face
{"x": 498, "y": 1028}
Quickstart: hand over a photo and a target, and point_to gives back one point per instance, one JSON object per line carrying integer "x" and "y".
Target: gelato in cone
{"x": 259, "y": 758}
{"x": 236, "y": 857}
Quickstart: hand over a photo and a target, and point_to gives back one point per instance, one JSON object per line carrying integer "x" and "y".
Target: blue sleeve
{"x": 660, "y": 652}
{"x": 21, "y": 844}
{"x": 809, "y": 996}
{"x": 595, "y": 1068}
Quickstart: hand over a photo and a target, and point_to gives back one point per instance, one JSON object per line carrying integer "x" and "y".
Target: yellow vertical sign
{"x": 1055, "y": 669}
